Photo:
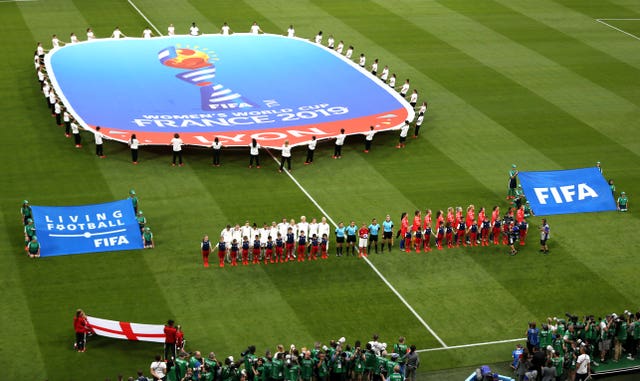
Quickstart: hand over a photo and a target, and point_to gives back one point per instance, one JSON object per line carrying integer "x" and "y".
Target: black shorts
{"x": 373, "y": 238}
{"x": 351, "y": 238}
{"x": 339, "y": 239}
{"x": 403, "y": 139}
{"x": 387, "y": 235}
{"x": 543, "y": 242}
{"x": 513, "y": 183}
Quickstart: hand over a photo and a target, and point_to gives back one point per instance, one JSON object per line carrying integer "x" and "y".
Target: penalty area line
{"x": 471, "y": 345}
{"x": 144, "y": 17}
{"x": 601, "y": 21}
{"x": 373, "y": 267}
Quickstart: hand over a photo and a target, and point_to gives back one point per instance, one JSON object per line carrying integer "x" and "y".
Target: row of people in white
{"x": 237, "y": 232}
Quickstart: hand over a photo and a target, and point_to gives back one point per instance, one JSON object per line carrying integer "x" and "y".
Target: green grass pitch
{"x": 541, "y": 84}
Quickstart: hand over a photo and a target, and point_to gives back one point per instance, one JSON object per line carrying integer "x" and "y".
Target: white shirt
{"x": 291, "y": 32}
{"x": 254, "y": 150}
{"x": 392, "y": 82}
{"x": 419, "y": 120}
{"x": 405, "y": 88}
{"x": 330, "y": 42}
{"x": 282, "y": 229}
{"x": 117, "y": 34}
{"x": 423, "y": 109}
{"x": 160, "y": 368}
{"x": 74, "y": 128}
{"x": 385, "y": 74}
{"x": 273, "y": 231}
{"x": 66, "y": 117}
{"x": 40, "y": 50}
{"x": 133, "y": 143}
{"x": 404, "y": 130}
{"x": 304, "y": 226}
{"x": 414, "y": 98}
{"x": 254, "y": 233}
{"x": 246, "y": 231}
{"x": 318, "y": 39}
{"x": 57, "y": 109}
{"x": 313, "y": 229}
{"x": 146, "y": 33}
{"x": 237, "y": 235}
{"x": 177, "y": 144}
{"x": 340, "y": 47}
{"x": 45, "y": 91}
{"x": 369, "y": 135}
{"x": 74, "y": 38}
{"x": 374, "y": 67}
{"x": 286, "y": 151}
{"x": 323, "y": 228}
{"x": 255, "y": 29}
{"x": 264, "y": 234}
{"x": 227, "y": 235}
{"x": 363, "y": 61}
{"x": 90, "y": 35}
{"x": 98, "y": 136}
{"x": 55, "y": 42}
{"x": 340, "y": 139}
{"x": 52, "y": 97}
{"x": 194, "y": 30}
{"x": 217, "y": 145}
{"x": 171, "y": 30}
{"x": 312, "y": 144}
{"x": 349, "y": 53}
{"x": 226, "y": 30}
{"x": 582, "y": 363}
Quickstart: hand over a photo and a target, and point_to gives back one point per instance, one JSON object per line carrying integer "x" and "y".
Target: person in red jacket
{"x": 179, "y": 339}
{"x": 169, "y": 340}
{"x": 404, "y": 226}
{"x": 81, "y": 326}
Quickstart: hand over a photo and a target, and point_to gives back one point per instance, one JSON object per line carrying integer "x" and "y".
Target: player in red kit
{"x": 205, "y": 247}
{"x": 363, "y": 241}
{"x": 473, "y": 233}
{"x": 314, "y": 247}
{"x": 484, "y": 232}
{"x": 302, "y": 246}
{"x": 245, "y": 250}
{"x": 234, "y": 252}
{"x": 169, "y": 340}
{"x": 404, "y": 226}
{"x": 179, "y": 339}
{"x": 439, "y": 219}
{"x": 323, "y": 246}
{"x": 407, "y": 241}
{"x": 418, "y": 239}
{"x": 471, "y": 216}
{"x": 461, "y": 229}
{"x": 417, "y": 221}
{"x": 481, "y": 215}
{"x": 450, "y": 215}
{"x": 523, "y": 231}
{"x": 497, "y": 224}
{"x": 427, "y": 238}
{"x": 222, "y": 251}
{"x": 440, "y": 236}
{"x": 520, "y": 214}
{"x": 279, "y": 248}
{"x": 448, "y": 234}
{"x": 458, "y": 215}
{"x": 268, "y": 253}
{"x": 255, "y": 252}
{"x": 289, "y": 245}
{"x": 81, "y": 328}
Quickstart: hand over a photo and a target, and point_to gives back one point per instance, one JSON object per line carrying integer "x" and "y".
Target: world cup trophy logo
{"x": 201, "y": 73}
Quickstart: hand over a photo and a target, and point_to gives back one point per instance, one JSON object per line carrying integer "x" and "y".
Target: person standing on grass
{"x": 134, "y": 200}
{"x": 368, "y": 139}
{"x": 216, "y": 147}
{"x": 176, "y": 144}
{"x": 310, "y": 150}
{"x": 205, "y": 247}
{"x": 413, "y": 99}
{"x": 222, "y": 251}
{"x": 133, "y": 145}
{"x": 352, "y": 231}
{"x": 81, "y": 327}
{"x": 66, "y": 118}
{"x": 387, "y": 233}
{"x": 337, "y": 151}
{"x": 158, "y": 369}
{"x": 25, "y": 212}
{"x": 341, "y": 233}
{"x": 374, "y": 229}
{"x": 544, "y": 236}
{"x": 623, "y": 202}
{"x": 405, "y": 88}
{"x": 98, "y": 136}
{"x": 404, "y": 131}
{"x": 75, "y": 131}
{"x": 170, "y": 340}
{"x": 254, "y": 153}
{"x": 513, "y": 182}
{"x": 285, "y": 156}
{"x": 147, "y": 238}
{"x": 33, "y": 248}
{"x": 419, "y": 121}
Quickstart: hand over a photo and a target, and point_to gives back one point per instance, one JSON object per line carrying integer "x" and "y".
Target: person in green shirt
{"x": 258, "y": 369}
{"x": 25, "y": 211}
{"x": 623, "y": 202}
{"x": 181, "y": 366}
{"x": 277, "y": 367}
{"x": 401, "y": 349}
{"x": 249, "y": 358}
{"x": 229, "y": 371}
{"x": 527, "y": 210}
{"x": 612, "y": 186}
{"x": 322, "y": 367}
{"x": 513, "y": 182}
{"x": 370, "y": 362}
{"x": 134, "y": 200}
{"x": 545, "y": 336}
{"x": 306, "y": 366}
{"x": 557, "y": 362}
{"x": 620, "y": 339}
{"x": 212, "y": 365}
{"x": 147, "y": 238}
{"x": 29, "y": 231}
{"x": 338, "y": 365}
{"x": 358, "y": 363}
{"x": 142, "y": 221}
{"x": 33, "y": 248}
{"x": 267, "y": 365}
{"x": 396, "y": 375}
{"x": 292, "y": 371}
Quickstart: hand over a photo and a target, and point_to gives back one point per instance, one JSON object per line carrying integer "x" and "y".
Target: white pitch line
{"x": 144, "y": 17}
{"x": 471, "y": 345}
{"x": 402, "y": 299}
{"x": 618, "y": 29}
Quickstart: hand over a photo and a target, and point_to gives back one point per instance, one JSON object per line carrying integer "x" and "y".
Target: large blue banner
{"x": 569, "y": 191}
{"x": 64, "y": 230}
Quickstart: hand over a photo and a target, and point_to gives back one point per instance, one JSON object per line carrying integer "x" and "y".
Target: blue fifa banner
{"x": 64, "y": 230}
{"x": 568, "y": 191}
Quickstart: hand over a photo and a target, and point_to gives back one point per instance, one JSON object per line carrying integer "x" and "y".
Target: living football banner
{"x": 567, "y": 191}
{"x": 64, "y": 230}
{"x": 127, "y": 331}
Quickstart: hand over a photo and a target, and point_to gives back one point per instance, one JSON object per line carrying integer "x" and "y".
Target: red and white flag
{"x": 127, "y": 331}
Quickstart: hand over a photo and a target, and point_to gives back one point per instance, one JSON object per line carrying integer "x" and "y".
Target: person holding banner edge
{"x": 513, "y": 182}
